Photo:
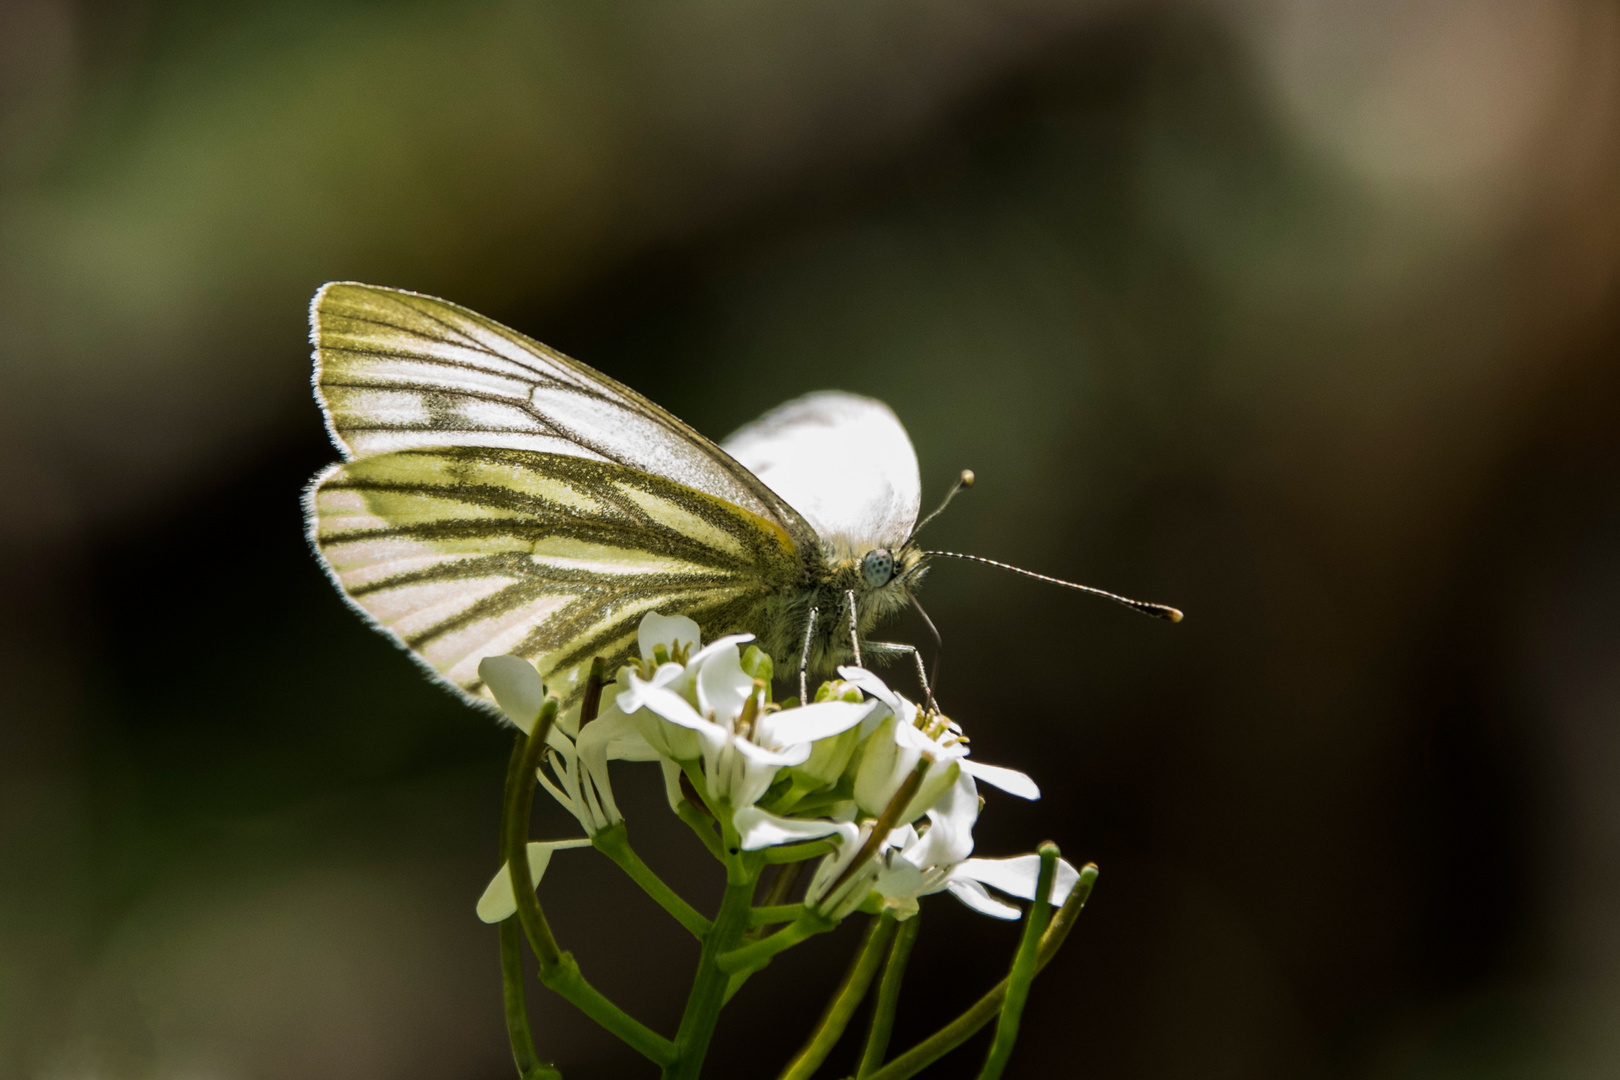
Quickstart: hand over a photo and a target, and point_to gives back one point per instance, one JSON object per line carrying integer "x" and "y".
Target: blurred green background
{"x": 1298, "y": 314}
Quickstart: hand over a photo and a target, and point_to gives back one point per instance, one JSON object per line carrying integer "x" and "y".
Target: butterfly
{"x": 497, "y": 497}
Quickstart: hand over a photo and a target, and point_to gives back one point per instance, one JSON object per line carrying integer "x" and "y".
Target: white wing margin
{"x": 843, "y": 462}
{"x": 397, "y": 370}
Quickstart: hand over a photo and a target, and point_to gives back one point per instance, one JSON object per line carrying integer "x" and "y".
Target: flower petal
{"x": 723, "y": 686}
{"x": 1011, "y": 781}
{"x": 1018, "y": 875}
{"x": 765, "y": 757}
{"x": 517, "y": 687}
{"x": 700, "y": 657}
{"x": 898, "y": 879}
{"x": 667, "y": 704}
{"x": 973, "y": 894}
{"x": 499, "y": 902}
{"x": 939, "y": 781}
{"x": 949, "y": 838}
{"x": 879, "y": 689}
{"x": 666, "y": 630}
{"x": 613, "y": 736}
{"x": 812, "y": 722}
{"x": 751, "y": 769}
{"x": 760, "y": 829}
{"x": 881, "y": 768}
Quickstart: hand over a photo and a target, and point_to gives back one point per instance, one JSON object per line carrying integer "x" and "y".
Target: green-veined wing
{"x": 465, "y": 552}
{"x": 396, "y": 370}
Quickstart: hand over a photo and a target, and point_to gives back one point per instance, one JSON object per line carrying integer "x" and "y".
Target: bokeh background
{"x": 1299, "y": 314}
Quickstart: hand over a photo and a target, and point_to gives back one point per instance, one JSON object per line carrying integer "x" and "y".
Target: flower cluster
{"x": 885, "y": 788}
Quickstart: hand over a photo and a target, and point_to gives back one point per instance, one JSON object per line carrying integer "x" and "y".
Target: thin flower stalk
{"x": 845, "y": 1000}
{"x": 558, "y": 970}
{"x": 987, "y": 1008}
{"x": 755, "y": 955}
{"x": 1023, "y": 968}
{"x": 614, "y": 842}
{"x": 888, "y": 997}
{"x": 524, "y": 1055}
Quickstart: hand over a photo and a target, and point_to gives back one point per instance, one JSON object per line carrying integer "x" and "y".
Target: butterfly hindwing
{"x": 464, "y": 552}
{"x": 843, "y": 461}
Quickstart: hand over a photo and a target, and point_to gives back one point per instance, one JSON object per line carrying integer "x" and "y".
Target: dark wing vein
{"x": 463, "y": 552}
{"x": 556, "y": 404}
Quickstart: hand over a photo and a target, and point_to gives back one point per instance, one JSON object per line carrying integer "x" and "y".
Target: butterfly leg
{"x": 939, "y": 645}
{"x": 804, "y": 660}
{"x": 854, "y": 638}
{"x": 893, "y": 647}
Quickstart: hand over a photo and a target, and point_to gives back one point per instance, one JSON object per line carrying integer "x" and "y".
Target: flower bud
{"x": 757, "y": 663}
{"x": 828, "y": 760}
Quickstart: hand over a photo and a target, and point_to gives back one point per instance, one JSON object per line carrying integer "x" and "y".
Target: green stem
{"x": 781, "y": 884}
{"x": 734, "y": 984}
{"x": 757, "y": 954}
{"x": 701, "y": 825}
{"x": 524, "y": 1055}
{"x": 792, "y": 853}
{"x": 558, "y": 970}
{"x": 981, "y": 1012}
{"x": 529, "y": 1065}
{"x": 710, "y": 983}
{"x": 1023, "y": 968}
{"x": 614, "y": 842}
{"x": 515, "y": 835}
{"x": 564, "y": 979}
{"x": 888, "y": 997}
{"x": 844, "y": 1001}
{"x": 772, "y": 914}
{"x": 985, "y": 1009}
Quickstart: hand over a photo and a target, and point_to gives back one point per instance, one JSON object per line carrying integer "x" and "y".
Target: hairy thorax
{"x": 826, "y": 589}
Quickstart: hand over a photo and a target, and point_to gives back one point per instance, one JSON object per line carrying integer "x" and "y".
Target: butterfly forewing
{"x": 397, "y": 370}
{"x": 465, "y": 552}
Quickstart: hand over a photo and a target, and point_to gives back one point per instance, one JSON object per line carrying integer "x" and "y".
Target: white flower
{"x": 885, "y": 763}
{"x": 914, "y": 863}
{"x": 741, "y": 743}
{"x": 911, "y": 862}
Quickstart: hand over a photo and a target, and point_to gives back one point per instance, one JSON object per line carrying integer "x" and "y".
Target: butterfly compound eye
{"x": 878, "y": 567}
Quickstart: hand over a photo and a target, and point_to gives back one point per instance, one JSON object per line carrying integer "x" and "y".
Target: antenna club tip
{"x": 967, "y": 478}
{"x": 1173, "y": 614}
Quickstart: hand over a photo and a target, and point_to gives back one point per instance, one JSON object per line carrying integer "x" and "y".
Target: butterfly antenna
{"x": 963, "y": 481}
{"x": 1158, "y": 611}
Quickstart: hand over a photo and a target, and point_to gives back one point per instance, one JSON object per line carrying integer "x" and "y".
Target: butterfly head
{"x": 889, "y": 570}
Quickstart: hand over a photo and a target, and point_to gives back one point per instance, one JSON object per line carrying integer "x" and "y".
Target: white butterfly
{"x": 497, "y": 497}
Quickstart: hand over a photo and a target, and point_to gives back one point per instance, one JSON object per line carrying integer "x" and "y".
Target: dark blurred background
{"x": 1299, "y": 314}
